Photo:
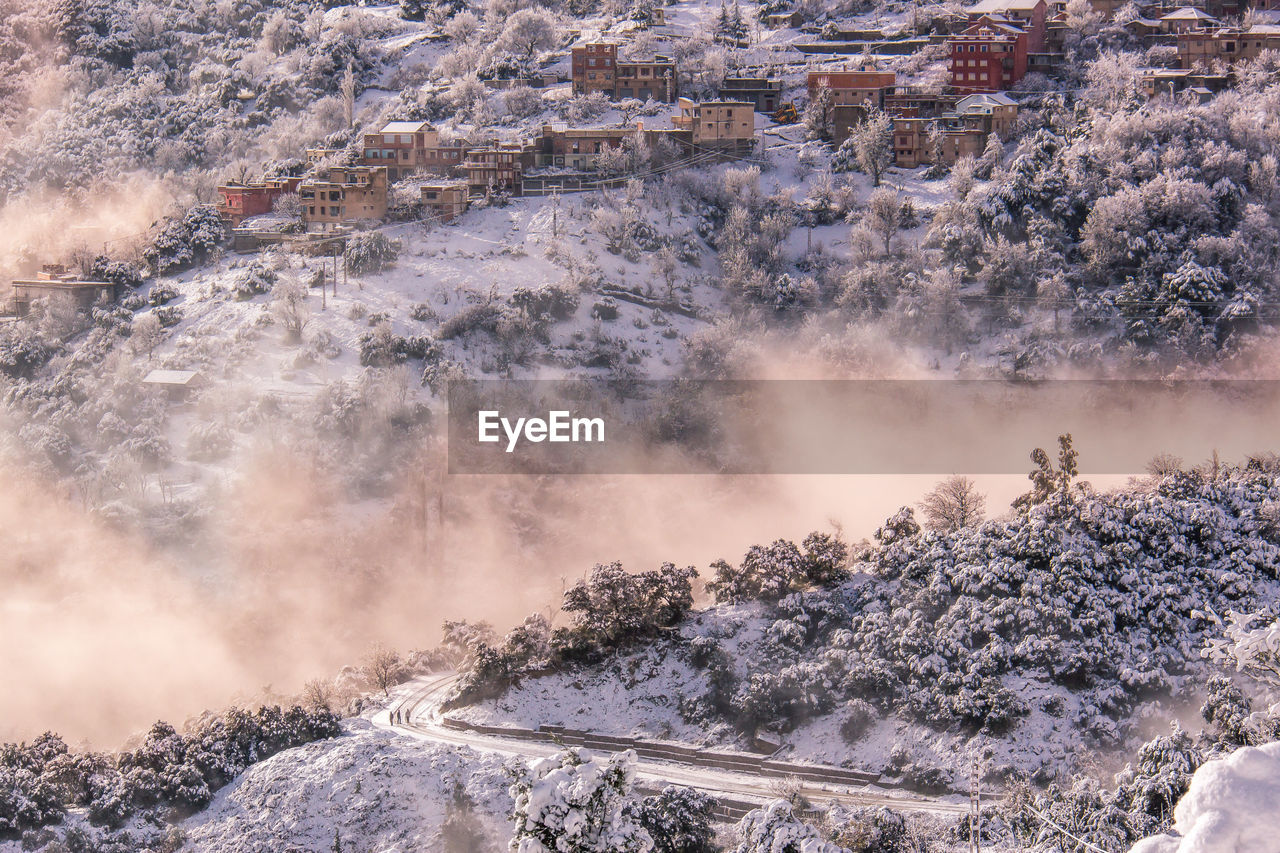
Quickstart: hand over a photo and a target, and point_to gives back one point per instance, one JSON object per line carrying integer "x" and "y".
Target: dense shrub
{"x": 370, "y": 252}
{"x": 186, "y": 242}
{"x": 172, "y": 772}
{"x": 612, "y": 606}
{"x": 771, "y": 572}
{"x": 382, "y": 347}
{"x": 678, "y": 820}
{"x": 253, "y": 280}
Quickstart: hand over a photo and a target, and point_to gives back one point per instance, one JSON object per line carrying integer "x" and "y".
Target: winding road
{"x": 417, "y": 713}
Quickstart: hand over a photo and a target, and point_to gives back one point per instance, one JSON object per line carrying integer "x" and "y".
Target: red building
{"x": 238, "y": 202}
{"x": 1029, "y": 15}
{"x": 595, "y": 67}
{"x": 990, "y": 56}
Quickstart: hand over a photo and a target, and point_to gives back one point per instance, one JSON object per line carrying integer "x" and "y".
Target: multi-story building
{"x": 862, "y": 86}
{"x": 237, "y": 202}
{"x": 725, "y": 126}
{"x": 446, "y": 200}
{"x": 595, "y": 67}
{"x": 407, "y": 148}
{"x": 496, "y": 168}
{"x": 989, "y": 56}
{"x": 765, "y": 93}
{"x": 647, "y": 79}
{"x": 910, "y": 101}
{"x": 560, "y": 146}
{"x": 347, "y": 194}
{"x": 1030, "y": 16}
{"x": 1203, "y": 47}
{"x": 950, "y": 136}
{"x": 911, "y": 140}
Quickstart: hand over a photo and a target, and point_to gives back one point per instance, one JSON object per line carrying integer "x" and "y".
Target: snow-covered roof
{"x": 170, "y": 377}
{"x": 1188, "y": 13}
{"x": 403, "y": 127}
{"x": 998, "y": 24}
{"x": 1264, "y": 30}
{"x": 994, "y": 99}
{"x": 988, "y": 7}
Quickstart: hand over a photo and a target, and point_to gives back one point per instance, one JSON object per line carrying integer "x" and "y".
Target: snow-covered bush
{"x": 23, "y": 350}
{"x": 162, "y": 294}
{"x": 859, "y": 715}
{"x": 253, "y": 280}
{"x": 1232, "y": 804}
{"x": 574, "y": 802}
{"x": 118, "y": 273}
{"x": 678, "y": 820}
{"x": 612, "y": 606}
{"x": 776, "y": 829}
{"x": 187, "y": 241}
{"x": 170, "y": 773}
{"x": 882, "y": 830}
{"x": 382, "y": 347}
{"x": 370, "y": 252}
{"x": 774, "y": 571}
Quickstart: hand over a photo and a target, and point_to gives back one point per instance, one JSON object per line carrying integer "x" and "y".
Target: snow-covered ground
{"x": 1232, "y": 806}
{"x": 374, "y": 790}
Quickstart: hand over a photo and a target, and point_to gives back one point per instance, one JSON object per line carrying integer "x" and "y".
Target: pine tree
{"x": 722, "y": 23}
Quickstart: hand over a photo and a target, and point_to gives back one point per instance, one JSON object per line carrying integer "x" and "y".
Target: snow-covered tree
{"x": 873, "y": 144}
{"x": 1251, "y": 645}
{"x": 529, "y": 31}
{"x": 678, "y": 820}
{"x": 884, "y": 215}
{"x": 776, "y": 829}
{"x": 574, "y": 802}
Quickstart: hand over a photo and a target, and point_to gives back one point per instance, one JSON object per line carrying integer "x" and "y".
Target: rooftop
{"x": 404, "y": 127}
{"x": 988, "y": 7}
{"x": 170, "y": 377}
{"x": 1188, "y": 13}
{"x": 994, "y": 99}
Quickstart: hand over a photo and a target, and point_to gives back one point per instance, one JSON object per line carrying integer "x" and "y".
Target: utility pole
{"x": 975, "y": 809}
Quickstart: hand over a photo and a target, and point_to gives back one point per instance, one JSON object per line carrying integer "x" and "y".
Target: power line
{"x": 1095, "y": 848}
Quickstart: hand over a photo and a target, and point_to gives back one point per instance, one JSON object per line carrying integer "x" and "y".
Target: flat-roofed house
{"x": 728, "y": 127}
{"x": 1200, "y": 48}
{"x": 346, "y": 195}
{"x": 240, "y": 201}
{"x": 864, "y": 86}
{"x": 176, "y": 384}
{"x": 445, "y": 200}
{"x": 54, "y": 281}
{"x": 764, "y": 92}
{"x": 561, "y": 146}
{"x": 595, "y": 67}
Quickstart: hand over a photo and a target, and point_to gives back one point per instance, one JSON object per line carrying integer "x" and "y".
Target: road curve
{"x": 417, "y": 709}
